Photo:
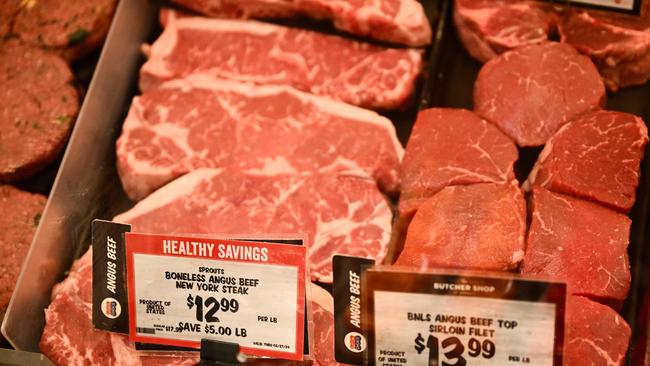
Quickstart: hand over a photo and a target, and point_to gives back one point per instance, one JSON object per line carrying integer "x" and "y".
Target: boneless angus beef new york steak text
{"x": 452, "y": 147}
{"x": 201, "y": 122}
{"x": 531, "y": 91}
{"x": 69, "y": 337}
{"x": 476, "y": 226}
{"x": 397, "y": 21}
{"x": 597, "y": 157}
{"x": 340, "y": 213}
{"x": 346, "y": 70}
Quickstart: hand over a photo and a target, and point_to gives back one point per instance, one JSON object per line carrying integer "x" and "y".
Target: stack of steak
{"x": 466, "y": 209}
{"x": 249, "y": 127}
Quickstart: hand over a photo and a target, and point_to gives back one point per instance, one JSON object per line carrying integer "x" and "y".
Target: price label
{"x": 445, "y": 320}
{"x": 183, "y": 289}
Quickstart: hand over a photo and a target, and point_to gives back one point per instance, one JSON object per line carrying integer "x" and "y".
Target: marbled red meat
{"x": 193, "y": 123}
{"x": 452, "y": 147}
{"x": 339, "y": 213}
{"x": 478, "y": 226}
{"x": 397, "y": 21}
{"x": 579, "y": 242}
{"x": 346, "y": 70}
{"x": 596, "y": 157}
{"x": 488, "y": 28}
{"x": 594, "y": 334}
{"x": 531, "y": 91}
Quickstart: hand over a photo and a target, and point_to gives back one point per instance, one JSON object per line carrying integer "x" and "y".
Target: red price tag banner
{"x": 182, "y": 289}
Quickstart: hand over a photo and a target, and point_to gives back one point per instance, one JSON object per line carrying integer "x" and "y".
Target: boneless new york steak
{"x": 477, "y": 226}
{"x": 452, "y": 147}
{"x": 594, "y": 334}
{"x": 397, "y": 21}
{"x": 201, "y": 122}
{"x": 488, "y": 28}
{"x": 339, "y": 213}
{"x": 579, "y": 242}
{"x": 346, "y": 70}
{"x": 531, "y": 91}
{"x": 69, "y": 337}
{"x": 596, "y": 157}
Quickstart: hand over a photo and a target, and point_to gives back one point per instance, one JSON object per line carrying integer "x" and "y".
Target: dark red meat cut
{"x": 270, "y": 130}
{"x": 531, "y": 91}
{"x": 70, "y": 28}
{"x": 579, "y": 242}
{"x": 397, "y": 21}
{"x": 21, "y": 213}
{"x": 594, "y": 334}
{"x": 488, "y": 28}
{"x": 478, "y": 226}
{"x": 452, "y": 147}
{"x": 619, "y": 44}
{"x": 323, "y": 326}
{"x": 38, "y": 107}
{"x": 339, "y": 213}
{"x": 596, "y": 157}
{"x": 346, "y": 70}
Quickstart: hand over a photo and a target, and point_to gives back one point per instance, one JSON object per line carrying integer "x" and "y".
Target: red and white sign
{"x": 182, "y": 289}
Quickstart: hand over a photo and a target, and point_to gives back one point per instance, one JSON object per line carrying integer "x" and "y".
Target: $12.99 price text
{"x": 206, "y": 310}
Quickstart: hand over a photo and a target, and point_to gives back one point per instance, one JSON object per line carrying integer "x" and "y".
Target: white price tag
{"x": 183, "y": 289}
{"x": 442, "y": 320}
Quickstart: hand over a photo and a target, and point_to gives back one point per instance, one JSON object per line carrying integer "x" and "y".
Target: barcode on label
{"x": 146, "y": 330}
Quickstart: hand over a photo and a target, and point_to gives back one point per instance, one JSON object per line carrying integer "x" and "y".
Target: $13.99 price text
{"x": 452, "y": 350}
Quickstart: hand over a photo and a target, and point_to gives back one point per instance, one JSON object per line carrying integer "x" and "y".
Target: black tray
{"x": 454, "y": 74}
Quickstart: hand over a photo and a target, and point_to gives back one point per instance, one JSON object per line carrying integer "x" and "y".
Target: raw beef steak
{"x": 479, "y": 226}
{"x": 397, "y": 21}
{"x": 38, "y": 107}
{"x": 579, "y": 242}
{"x": 198, "y": 122}
{"x": 618, "y": 44}
{"x": 488, "y": 28}
{"x": 531, "y": 91}
{"x": 354, "y": 72}
{"x": 340, "y": 214}
{"x": 452, "y": 147}
{"x": 69, "y": 337}
{"x": 594, "y": 334}
{"x": 596, "y": 157}
{"x": 21, "y": 213}
{"x": 69, "y": 28}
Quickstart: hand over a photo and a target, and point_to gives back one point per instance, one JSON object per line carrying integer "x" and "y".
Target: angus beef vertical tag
{"x": 109, "y": 276}
{"x": 349, "y": 341}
